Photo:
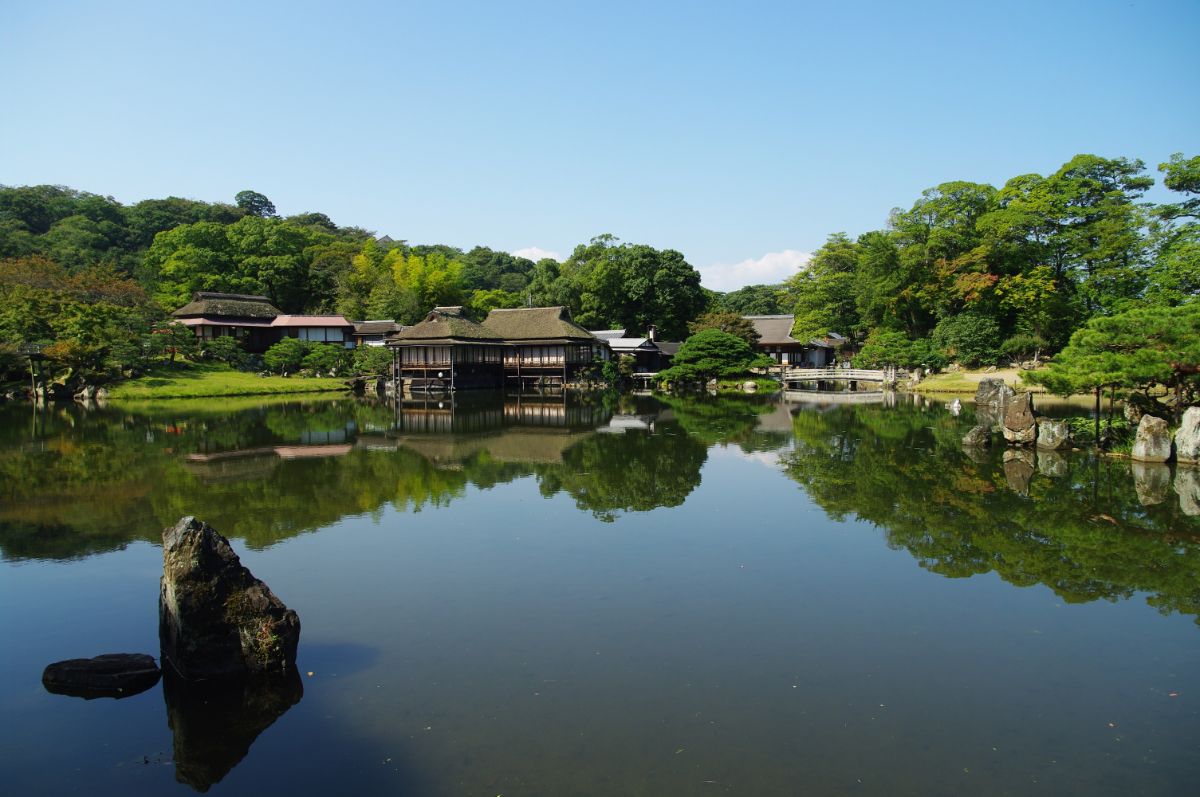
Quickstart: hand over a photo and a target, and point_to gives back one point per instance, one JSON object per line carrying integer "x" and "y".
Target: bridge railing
{"x": 837, "y": 374}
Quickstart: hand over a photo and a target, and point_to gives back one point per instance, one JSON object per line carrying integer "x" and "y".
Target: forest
{"x": 968, "y": 273}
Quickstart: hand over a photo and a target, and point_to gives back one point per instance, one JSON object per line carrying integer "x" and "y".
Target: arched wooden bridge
{"x": 792, "y": 376}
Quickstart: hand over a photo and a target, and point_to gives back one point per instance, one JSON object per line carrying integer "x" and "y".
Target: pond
{"x": 602, "y": 595}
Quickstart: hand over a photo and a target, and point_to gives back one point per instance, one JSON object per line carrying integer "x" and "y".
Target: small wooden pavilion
{"x": 544, "y": 345}
{"x": 447, "y": 351}
{"x": 247, "y": 318}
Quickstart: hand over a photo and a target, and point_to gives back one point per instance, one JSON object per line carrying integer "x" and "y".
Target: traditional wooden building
{"x": 776, "y": 341}
{"x": 650, "y": 355}
{"x": 448, "y": 351}
{"x": 317, "y": 328}
{"x": 374, "y": 333}
{"x": 544, "y": 346}
{"x": 245, "y": 318}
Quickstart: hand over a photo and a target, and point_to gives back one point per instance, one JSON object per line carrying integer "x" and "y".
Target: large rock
{"x": 991, "y": 399}
{"x": 113, "y": 675}
{"x": 214, "y": 724}
{"x": 1151, "y": 481}
{"x": 1053, "y": 434}
{"x": 1153, "y": 441}
{"x": 1018, "y": 470}
{"x": 216, "y": 620}
{"x": 1187, "y": 487}
{"x": 1187, "y": 439}
{"x": 978, "y": 436}
{"x": 1020, "y": 427}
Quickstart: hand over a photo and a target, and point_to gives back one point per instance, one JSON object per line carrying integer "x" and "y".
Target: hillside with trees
{"x": 968, "y": 273}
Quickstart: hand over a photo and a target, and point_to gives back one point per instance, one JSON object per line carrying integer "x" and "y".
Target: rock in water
{"x": 1187, "y": 439}
{"x": 114, "y": 675}
{"x": 1153, "y": 441}
{"x": 978, "y": 436}
{"x": 216, "y": 620}
{"x": 991, "y": 399}
{"x": 1020, "y": 427}
{"x": 1053, "y": 433}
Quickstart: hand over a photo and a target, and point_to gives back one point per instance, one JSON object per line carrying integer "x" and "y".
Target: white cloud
{"x": 536, "y": 253}
{"x": 771, "y": 268}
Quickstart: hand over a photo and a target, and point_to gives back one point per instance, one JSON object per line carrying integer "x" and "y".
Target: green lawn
{"x": 968, "y": 381}
{"x": 200, "y": 380}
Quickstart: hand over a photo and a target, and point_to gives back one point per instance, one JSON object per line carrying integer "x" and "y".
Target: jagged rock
{"x": 1051, "y": 463}
{"x": 1187, "y": 439}
{"x": 1020, "y": 427}
{"x": 213, "y": 725}
{"x": 1018, "y": 470}
{"x": 1187, "y": 487}
{"x": 978, "y": 436}
{"x": 113, "y": 675}
{"x": 991, "y": 399}
{"x": 1053, "y": 433}
{"x": 85, "y": 394}
{"x": 1152, "y": 481}
{"x": 216, "y": 620}
{"x": 1153, "y": 441}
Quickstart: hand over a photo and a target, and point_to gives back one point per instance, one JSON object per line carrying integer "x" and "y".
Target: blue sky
{"x": 740, "y": 134}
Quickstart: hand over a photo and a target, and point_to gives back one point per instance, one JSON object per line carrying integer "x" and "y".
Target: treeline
{"x": 969, "y": 273}
{"x": 974, "y": 274}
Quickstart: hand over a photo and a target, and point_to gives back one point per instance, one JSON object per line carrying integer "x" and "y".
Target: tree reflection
{"x": 1074, "y": 523}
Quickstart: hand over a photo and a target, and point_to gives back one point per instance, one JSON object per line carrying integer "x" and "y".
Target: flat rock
{"x": 216, "y": 620}
{"x": 1187, "y": 439}
{"x": 113, "y": 675}
{"x": 1153, "y": 440}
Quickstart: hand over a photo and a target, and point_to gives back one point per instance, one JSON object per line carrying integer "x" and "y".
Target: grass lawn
{"x": 968, "y": 381}
{"x": 200, "y": 380}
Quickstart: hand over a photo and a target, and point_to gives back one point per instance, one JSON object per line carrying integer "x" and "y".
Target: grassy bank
{"x": 968, "y": 381}
{"x": 206, "y": 380}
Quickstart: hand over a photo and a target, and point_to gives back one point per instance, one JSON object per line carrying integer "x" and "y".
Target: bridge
{"x": 850, "y": 375}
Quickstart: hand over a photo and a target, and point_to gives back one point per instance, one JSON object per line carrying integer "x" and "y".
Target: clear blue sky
{"x": 728, "y": 132}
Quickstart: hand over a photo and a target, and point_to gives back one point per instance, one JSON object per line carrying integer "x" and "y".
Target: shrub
{"x": 1022, "y": 346}
{"x": 372, "y": 360}
{"x": 971, "y": 339}
{"x": 327, "y": 358}
{"x": 287, "y": 355}
{"x": 225, "y": 349}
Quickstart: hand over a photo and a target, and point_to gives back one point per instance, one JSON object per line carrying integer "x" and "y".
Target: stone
{"x": 1018, "y": 470}
{"x": 216, "y": 620}
{"x": 1051, "y": 463}
{"x": 1020, "y": 427}
{"x": 991, "y": 398}
{"x": 1152, "y": 481}
{"x": 114, "y": 675}
{"x": 85, "y": 394}
{"x": 978, "y": 436}
{"x": 1153, "y": 440}
{"x": 214, "y": 724}
{"x": 1187, "y": 439}
{"x": 749, "y": 387}
{"x": 1187, "y": 487}
{"x": 1053, "y": 434}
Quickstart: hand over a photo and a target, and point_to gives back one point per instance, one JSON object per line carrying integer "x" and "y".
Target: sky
{"x": 741, "y": 135}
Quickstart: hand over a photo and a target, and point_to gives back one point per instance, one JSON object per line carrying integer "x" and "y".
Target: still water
{"x": 546, "y": 596}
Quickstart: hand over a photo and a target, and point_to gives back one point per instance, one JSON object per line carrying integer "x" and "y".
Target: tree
{"x": 824, "y": 294}
{"x": 970, "y": 338}
{"x": 751, "y": 300}
{"x": 726, "y": 322}
{"x": 287, "y": 355}
{"x": 712, "y": 353}
{"x": 255, "y": 204}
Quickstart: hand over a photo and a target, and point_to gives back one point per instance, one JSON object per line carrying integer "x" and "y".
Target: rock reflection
{"x": 213, "y": 726}
{"x": 1152, "y": 481}
{"x": 1018, "y": 469}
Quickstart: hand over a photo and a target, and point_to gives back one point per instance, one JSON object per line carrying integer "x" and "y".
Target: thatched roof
{"x": 375, "y": 327}
{"x": 529, "y": 324}
{"x": 776, "y": 330}
{"x": 444, "y": 324}
{"x": 229, "y": 305}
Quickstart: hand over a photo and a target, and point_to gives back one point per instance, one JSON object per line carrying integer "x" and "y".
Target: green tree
{"x": 287, "y": 356}
{"x": 726, "y": 322}
{"x": 255, "y": 204}
{"x": 752, "y": 300}
{"x": 710, "y": 354}
{"x": 824, "y": 294}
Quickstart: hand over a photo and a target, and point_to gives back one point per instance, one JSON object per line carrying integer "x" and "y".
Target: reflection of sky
{"x": 772, "y": 459}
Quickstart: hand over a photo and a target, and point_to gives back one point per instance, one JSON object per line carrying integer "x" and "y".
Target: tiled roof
{"x": 776, "y": 330}
{"x": 310, "y": 321}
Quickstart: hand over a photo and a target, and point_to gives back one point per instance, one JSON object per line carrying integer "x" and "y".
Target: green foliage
{"x": 225, "y": 349}
{"x": 255, "y": 204}
{"x": 372, "y": 360}
{"x": 751, "y": 300}
{"x": 726, "y": 322}
{"x": 287, "y": 356}
{"x": 710, "y": 354}
{"x": 325, "y": 358}
{"x": 970, "y": 338}
{"x": 1137, "y": 349}
{"x": 1022, "y": 346}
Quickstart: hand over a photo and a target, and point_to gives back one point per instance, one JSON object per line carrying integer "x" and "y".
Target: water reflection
{"x": 1090, "y": 528}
